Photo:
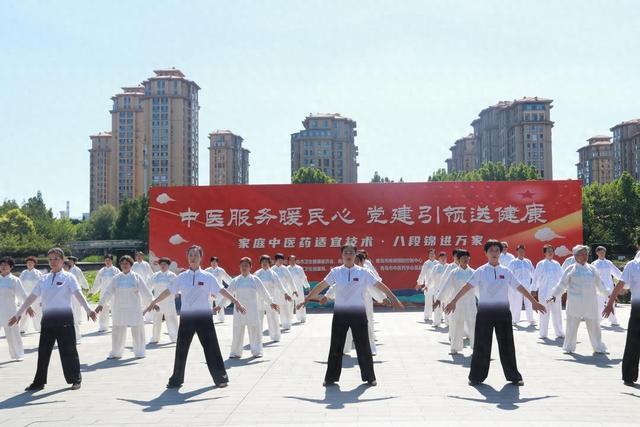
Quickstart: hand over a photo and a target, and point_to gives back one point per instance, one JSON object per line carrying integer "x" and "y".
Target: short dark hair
{"x": 139, "y": 253}
{"x": 31, "y": 258}
{"x": 108, "y": 256}
{"x": 245, "y": 259}
{"x": 345, "y": 247}
{"x": 8, "y": 260}
{"x": 265, "y": 257}
{"x": 442, "y": 253}
{"x": 601, "y": 248}
{"x": 547, "y": 247}
{"x": 213, "y": 258}
{"x": 278, "y": 256}
{"x": 126, "y": 258}
{"x": 360, "y": 256}
{"x": 491, "y": 243}
{"x": 455, "y": 252}
{"x": 72, "y": 258}
{"x": 164, "y": 260}
{"x": 196, "y": 248}
{"x": 363, "y": 252}
{"x": 56, "y": 251}
{"x": 292, "y": 255}
{"x": 431, "y": 250}
{"x": 463, "y": 252}
{"x": 521, "y": 246}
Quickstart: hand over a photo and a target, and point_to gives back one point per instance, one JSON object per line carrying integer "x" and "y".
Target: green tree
{"x": 101, "y": 223}
{"x": 311, "y": 175}
{"x": 16, "y": 222}
{"x": 489, "y": 171}
{"x": 132, "y": 221}
{"x": 8, "y": 205}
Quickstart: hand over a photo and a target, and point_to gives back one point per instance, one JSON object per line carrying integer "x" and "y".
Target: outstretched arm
{"x": 26, "y": 306}
{"x": 450, "y": 308}
{"x": 394, "y": 299}
{"x": 608, "y": 309}
{"x": 534, "y": 302}
{"x": 313, "y": 295}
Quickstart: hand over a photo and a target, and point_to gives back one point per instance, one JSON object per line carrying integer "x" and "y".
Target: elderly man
{"x": 582, "y": 283}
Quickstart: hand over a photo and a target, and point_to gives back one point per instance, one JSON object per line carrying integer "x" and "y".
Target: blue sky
{"x": 413, "y": 74}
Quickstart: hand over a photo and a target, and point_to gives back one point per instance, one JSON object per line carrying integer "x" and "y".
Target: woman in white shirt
{"x": 160, "y": 281}
{"x": 250, "y": 291}
{"x": 221, "y": 275}
{"x": 129, "y": 292}
{"x": 278, "y": 292}
{"x": 546, "y": 276}
{"x": 11, "y": 290}
{"x": 102, "y": 280}
{"x": 30, "y": 278}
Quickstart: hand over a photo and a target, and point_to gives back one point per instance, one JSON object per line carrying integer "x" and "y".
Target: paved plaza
{"x": 418, "y": 383}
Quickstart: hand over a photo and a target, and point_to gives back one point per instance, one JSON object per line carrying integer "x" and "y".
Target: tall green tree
{"x": 311, "y": 175}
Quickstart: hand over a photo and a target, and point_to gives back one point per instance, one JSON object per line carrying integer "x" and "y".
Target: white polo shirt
{"x": 631, "y": 278}
{"x": 196, "y": 289}
{"x": 493, "y": 283}
{"x": 351, "y": 287}
{"x": 56, "y": 291}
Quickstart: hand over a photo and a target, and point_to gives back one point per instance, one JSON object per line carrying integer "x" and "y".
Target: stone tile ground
{"x": 419, "y": 383}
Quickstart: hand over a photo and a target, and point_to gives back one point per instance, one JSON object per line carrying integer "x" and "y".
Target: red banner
{"x": 394, "y": 223}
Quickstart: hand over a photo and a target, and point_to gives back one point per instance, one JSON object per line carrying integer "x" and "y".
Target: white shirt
{"x": 56, "y": 291}
{"x": 273, "y": 284}
{"x": 351, "y": 287}
{"x": 493, "y": 283}
{"x": 369, "y": 266}
{"x": 251, "y": 293}
{"x": 196, "y": 289}
{"x": 631, "y": 278}
{"x": 143, "y": 268}
{"x": 220, "y": 274}
{"x": 30, "y": 278}
{"x": 545, "y": 277}
{"x": 582, "y": 283}
{"x": 505, "y": 259}
{"x": 607, "y": 269}
{"x": 285, "y": 277}
{"x": 426, "y": 270}
{"x": 455, "y": 281}
{"x": 103, "y": 278}
{"x": 299, "y": 279}
{"x": 159, "y": 282}
{"x": 128, "y": 291}
{"x": 568, "y": 262}
{"x": 437, "y": 273}
{"x": 79, "y": 275}
{"x": 523, "y": 270}
{"x": 10, "y": 289}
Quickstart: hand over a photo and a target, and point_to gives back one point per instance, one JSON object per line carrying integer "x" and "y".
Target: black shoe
{"x": 34, "y": 387}
{"x": 372, "y": 383}
{"x": 222, "y": 385}
{"x": 629, "y": 383}
{"x": 519, "y": 383}
{"x": 75, "y": 386}
{"x": 173, "y": 385}
{"x": 328, "y": 383}
{"x": 473, "y": 383}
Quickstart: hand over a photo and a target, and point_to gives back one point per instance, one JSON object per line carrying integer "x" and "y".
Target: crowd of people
{"x": 473, "y": 303}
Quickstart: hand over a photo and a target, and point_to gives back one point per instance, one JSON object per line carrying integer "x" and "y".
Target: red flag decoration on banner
{"x": 395, "y": 223}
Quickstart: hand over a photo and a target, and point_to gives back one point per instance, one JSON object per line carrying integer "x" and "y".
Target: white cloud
{"x": 545, "y": 234}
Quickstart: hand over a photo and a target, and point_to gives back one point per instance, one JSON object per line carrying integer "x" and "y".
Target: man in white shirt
{"x": 221, "y": 275}
{"x": 196, "y": 288}
{"x": 301, "y": 285}
{"x": 352, "y": 284}
{"x": 545, "y": 277}
{"x": 582, "y": 283}
{"x": 522, "y": 269}
{"x": 505, "y": 256}
{"x": 493, "y": 281}
{"x": 160, "y": 281}
{"x": 435, "y": 280}
{"x": 607, "y": 270}
{"x": 56, "y": 290}
{"x": 422, "y": 283}
{"x": 286, "y": 309}
{"x": 102, "y": 280}
{"x": 630, "y": 279}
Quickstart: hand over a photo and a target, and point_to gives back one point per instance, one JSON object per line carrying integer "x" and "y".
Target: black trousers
{"x": 65, "y": 335}
{"x": 203, "y": 326}
{"x": 488, "y": 320}
{"x": 631, "y": 356}
{"x": 341, "y": 323}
